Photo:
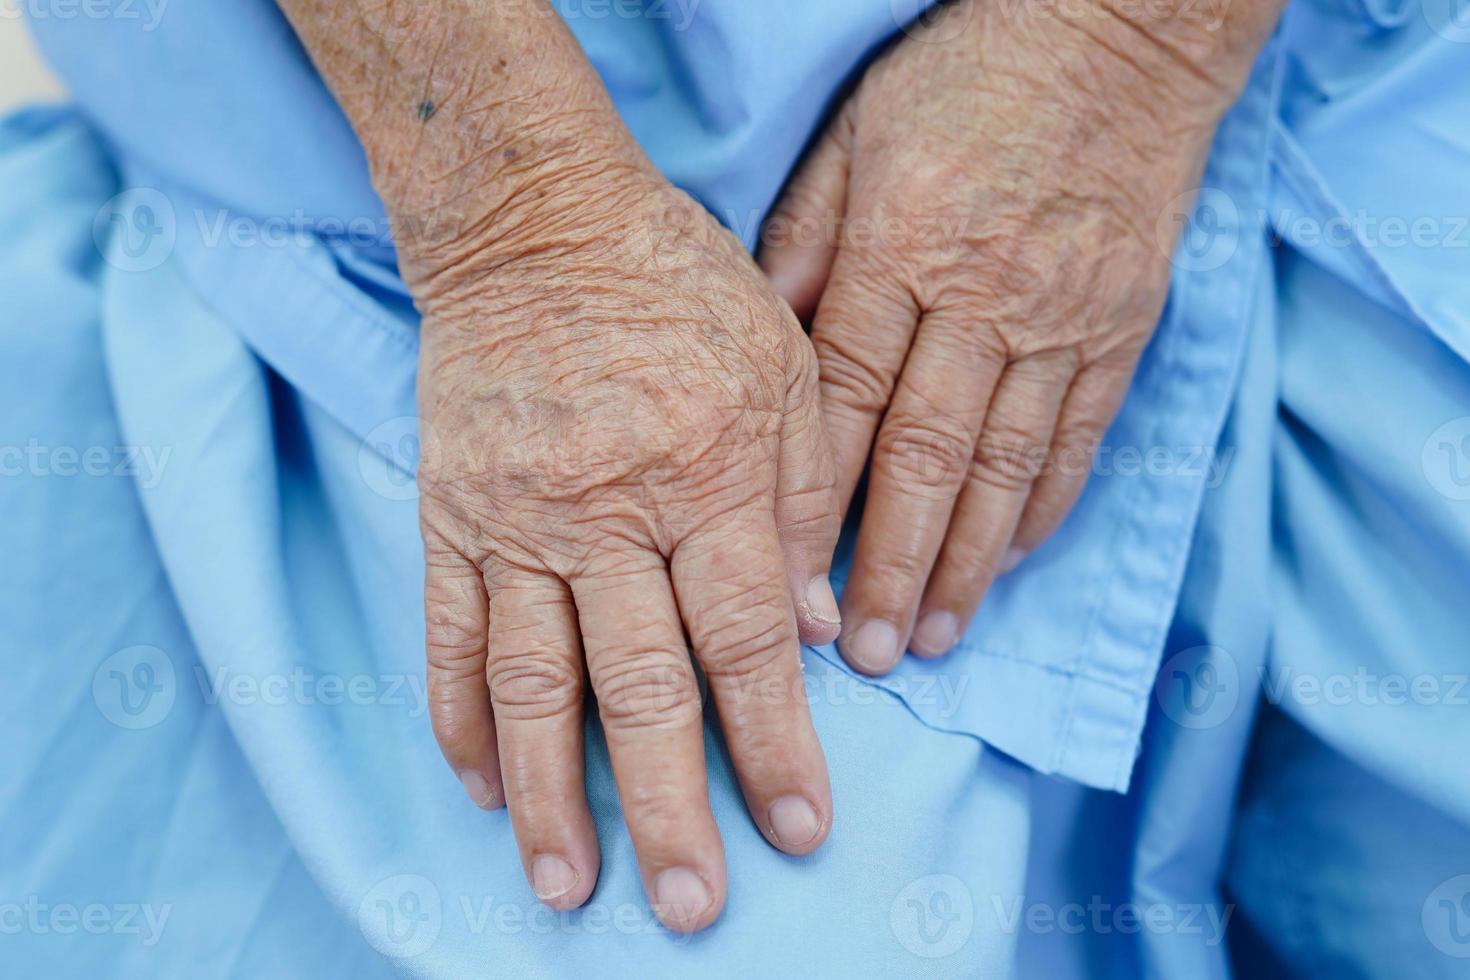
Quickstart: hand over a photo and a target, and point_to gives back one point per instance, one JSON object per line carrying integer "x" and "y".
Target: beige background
{"x": 23, "y": 78}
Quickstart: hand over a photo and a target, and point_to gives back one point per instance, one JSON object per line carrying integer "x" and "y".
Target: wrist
{"x": 1184, "y": 52}
{"x": 515, "y": 239}
{"x": 483, "y": 123}
{"x": 493, "y": 171}
{"x": 472, "y": 146}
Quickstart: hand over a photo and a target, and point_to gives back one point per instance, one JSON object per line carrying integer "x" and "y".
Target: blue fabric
{"x": 213, "y": 576}
{"x": 264, "y": 229}
{"x": 220, "y": 716}
{"x": 1303, "y": 773}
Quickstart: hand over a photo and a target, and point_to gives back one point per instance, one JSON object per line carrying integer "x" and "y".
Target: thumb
{"x": 800, "y": 238}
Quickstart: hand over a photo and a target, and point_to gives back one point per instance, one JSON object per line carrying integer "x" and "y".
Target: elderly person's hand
{"x": 997, "y": 180}
{"x": 624, "y": 446}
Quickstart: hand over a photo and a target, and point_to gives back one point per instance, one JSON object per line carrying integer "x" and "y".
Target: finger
{"x": 535, "y": 682}
{"x": 649, "y": 704}
{"x": 1010, "y": 452}
{"x": 733, "y": 597}
{"x": 806, "y": 504}
{"x": 919, "y": 463}
{"x": 862, "y": 332}
{"x": 1089, "y": 408}
{"x": 455, "y": 619}
{"x": 799, "y": 240}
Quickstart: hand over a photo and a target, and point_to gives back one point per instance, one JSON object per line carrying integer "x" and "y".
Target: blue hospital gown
{"x": 220, "y": 760}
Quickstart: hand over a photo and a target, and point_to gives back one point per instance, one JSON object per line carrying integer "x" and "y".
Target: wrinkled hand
{"x": 626, "y": 447}
{"x": 622, "y": 445}
{"x": 995, "y": 183}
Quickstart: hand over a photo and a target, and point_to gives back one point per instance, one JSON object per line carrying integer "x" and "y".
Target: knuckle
{"x": 660, "y": 807}
{"x": 809, "y": 514}
{"x": 640, "y": 692}
{"x": 968, "y": 565}
{"x": 923, "y": 457}
{"x": 454, "y": 633}
{"x": 902, "y": 571}
{"x": 801, "y": 355}
{"x": 534, "y": 685}
{"x": 454, "y": 641}
{"x": 744, "y": 646}
{"x": 764, "y": 739}
{"x": 802, "y": 214}
{"x": 1017, "y": 264}
{"x": 851, "y": 380}
{"x": 1080, "y": 438}
{"x": 639, "y": 425}
{"x": 1007, "y": 459}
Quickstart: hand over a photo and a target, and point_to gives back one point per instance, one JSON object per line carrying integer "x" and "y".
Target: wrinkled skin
{"x": 623, "y": 445}
{"x": 625, "y": 457}
{"x": 997, "y": 182}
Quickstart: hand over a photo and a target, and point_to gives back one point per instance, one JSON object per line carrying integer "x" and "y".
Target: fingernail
{"x": 478, "y": 788}
{"x": 874, "y": 647}
{"x": 680, "y": 896}
{"x": 1013, "y": 557}
{"x": 551, "y": 877}
{"x": 936, "y": 633}
{"x": 794, "y": 821}
{"x": 820, "y": 601}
